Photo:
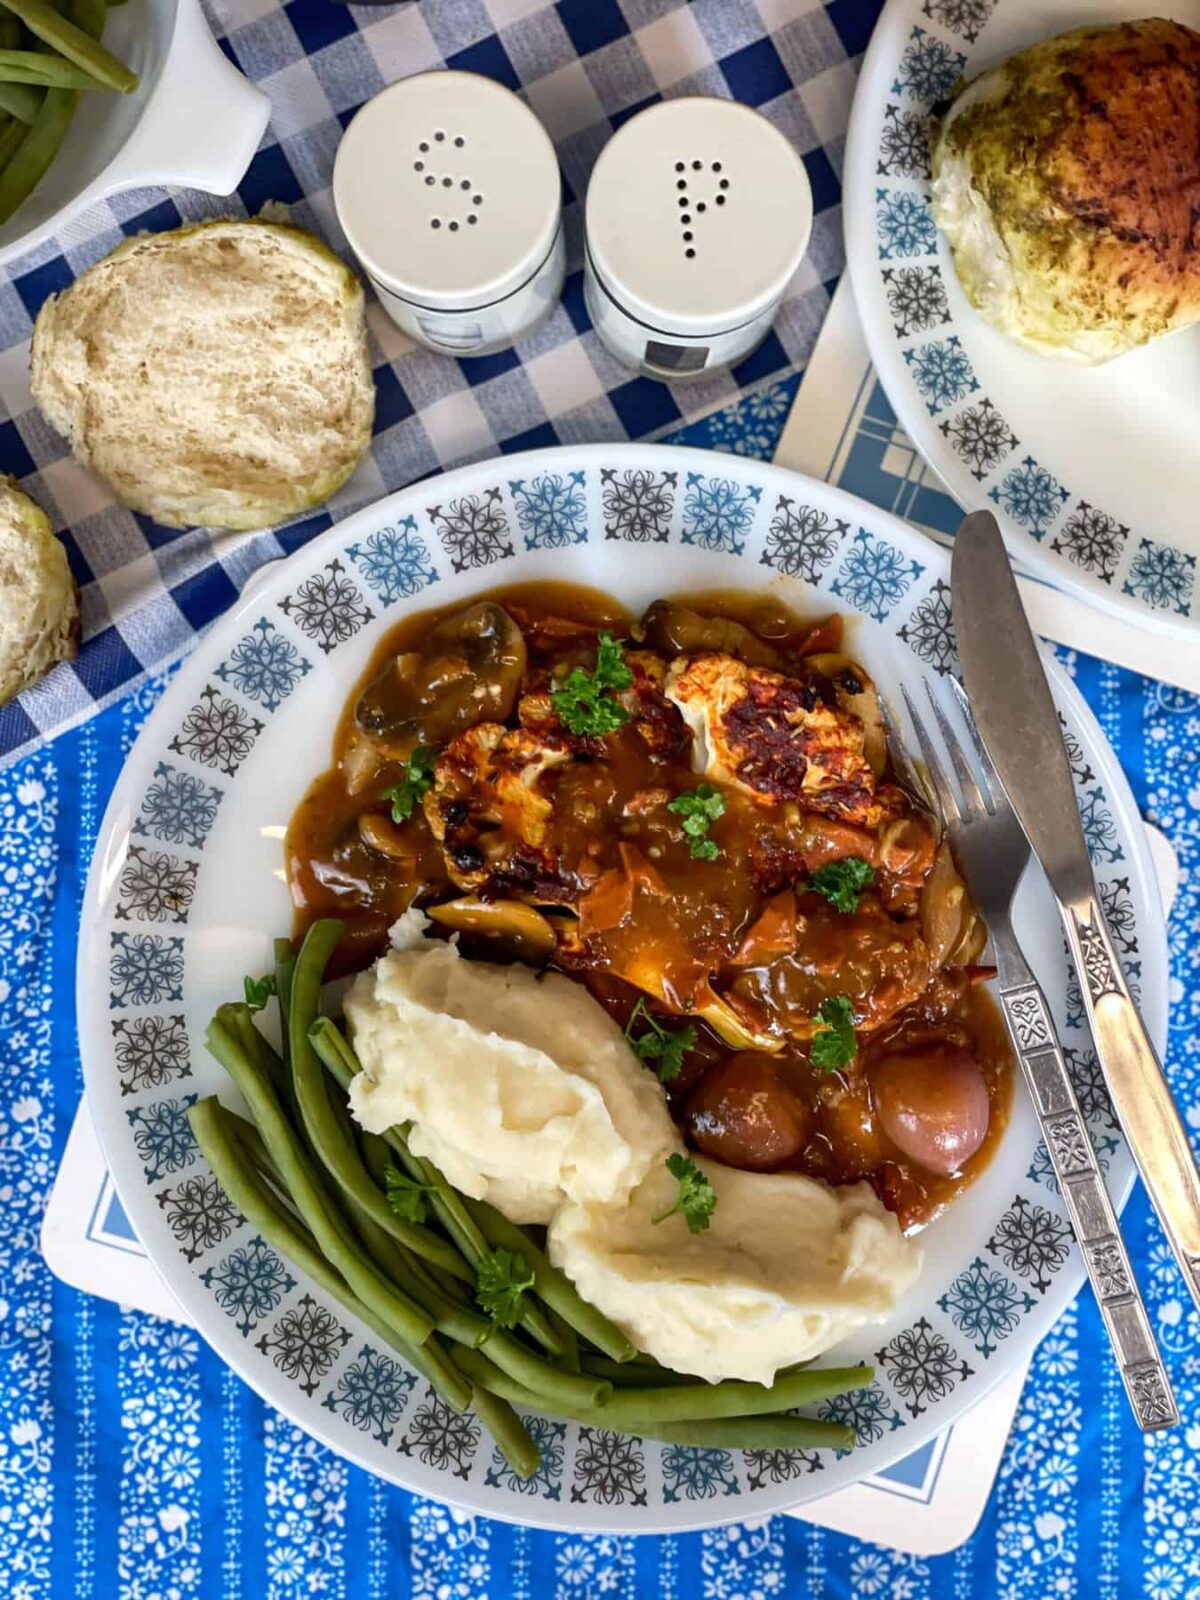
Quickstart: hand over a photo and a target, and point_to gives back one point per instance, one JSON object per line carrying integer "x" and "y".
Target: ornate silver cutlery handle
{"x": 1083, "y": 1189}
{"x": 1140, "y": 1093}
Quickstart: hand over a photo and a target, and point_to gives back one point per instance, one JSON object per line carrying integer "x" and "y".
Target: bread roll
{"x": 216, "y": 374}
{"x": 1067, "y": 180}
{"x": 39, "y": 612}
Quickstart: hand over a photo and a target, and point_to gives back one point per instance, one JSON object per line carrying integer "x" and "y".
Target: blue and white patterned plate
{"x": 1093, "y": 471}
{"x": 186, "y": 890}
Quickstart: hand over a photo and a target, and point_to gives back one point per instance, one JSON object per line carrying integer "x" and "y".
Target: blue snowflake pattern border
{"x": 394, "y": 562}
{"x": 265, "y": 666}
{"x": 904, "y": 225}
{"x": 1031, "y": 496}
{"x": 1165, "y": 578}
{"x": 874, "y": 576}
{"x": 968, "y": 18}
{"x": 178, "y": 807}
{"x": 162, "y": 1136}
{"x": 923, "y": 1366}
{"x": 145, "y": 969}
{"x": 929, "y": 68}
{"x": 985, "y": 1305}
{"x": 473, "y": 530}
{"x": 718, "y": 514}
{"x": 551, "y": 509}
{"x": 372, "y": 1393}
{"x": 328, "y": 607}
{"x": 249, "y": 1284}
{"x": 802, "y": 540}
{"x": 942, "y": 372}
{"x": 692, "y": 1473}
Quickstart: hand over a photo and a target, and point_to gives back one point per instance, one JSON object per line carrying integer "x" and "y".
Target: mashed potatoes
{"x": 787, "y": 1267}
{"x": 522, "y": 1089}
{"x": 518, "y": 1085}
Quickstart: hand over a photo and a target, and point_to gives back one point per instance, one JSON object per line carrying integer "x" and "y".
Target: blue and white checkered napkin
{"x": 584, "y": 66}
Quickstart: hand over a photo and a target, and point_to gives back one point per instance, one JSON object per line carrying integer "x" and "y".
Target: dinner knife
{"x": 1017, "y": 720}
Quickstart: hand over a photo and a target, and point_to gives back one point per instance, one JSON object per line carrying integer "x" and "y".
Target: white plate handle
{"x": 203, "y": 122}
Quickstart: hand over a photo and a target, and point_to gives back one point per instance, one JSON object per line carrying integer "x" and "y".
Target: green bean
{"x": 744, "y": 1432}
{"x": 633, "y": 1375}
{"x": 73, "y": 42}
{"x": 289, "y": 1236}
{"x": 27, "y": 165}
{"x": 551, "y": 1285}
{"x": 509, "y": 1432}
{"x": 536, "y": 1374}
{"x": 43, "y": 70}
{"x": 569, "y": 1360}
{"x": 12, "y": 136}
{"x": 236, "y": 1015}
{"x": 332, "y": 1143}
{"x": 409, "y": 1320}
{"x": 700, "y": 1402}
{"x": 21, "y": 100}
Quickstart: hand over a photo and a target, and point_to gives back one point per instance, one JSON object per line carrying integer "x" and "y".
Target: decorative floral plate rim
{"x": 185, "y": 889}
{"x": 926, "y": 341}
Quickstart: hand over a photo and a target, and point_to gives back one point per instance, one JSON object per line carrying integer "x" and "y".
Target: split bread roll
{"x": 217, "y": 374}
{"x": 39, "y": 611}
{"x": 1067, "y": 181}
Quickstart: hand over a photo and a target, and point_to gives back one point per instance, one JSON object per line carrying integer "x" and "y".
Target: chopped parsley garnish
{"x": 661, "y": 1048}
{"x": 258, "y": 991}
{"x": 841, "y": 882}
{"x": 699, "y": 808}
{"x": 502, "y": 1278}
{"x": 697, "y": 1197}
{"x": 834, "y": 1045}
{"x": 418, "y": 777}
{"x": 584, "y": 703}
{"x": 405, "y": 1196}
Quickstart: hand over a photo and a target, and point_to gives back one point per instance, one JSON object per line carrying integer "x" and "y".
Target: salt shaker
{"x": 698, "y": 214}
{"x": 447, "y": 188}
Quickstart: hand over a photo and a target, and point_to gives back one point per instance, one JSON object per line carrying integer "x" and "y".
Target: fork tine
{"x": 946, "y": 798}
{"x": 902, "y": 763}
{"x": 962, "y": 767}
{"x": 990, "y": 774}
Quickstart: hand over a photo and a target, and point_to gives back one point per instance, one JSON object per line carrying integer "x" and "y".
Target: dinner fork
{"x": 992, "y": 852}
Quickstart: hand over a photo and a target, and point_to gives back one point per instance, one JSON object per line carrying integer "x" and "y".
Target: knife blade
{"x": 1017, "y": 721}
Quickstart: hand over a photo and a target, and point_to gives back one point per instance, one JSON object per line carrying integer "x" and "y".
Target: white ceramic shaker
{"x": 447, "y": 188}
{"x": 698, "y": 213}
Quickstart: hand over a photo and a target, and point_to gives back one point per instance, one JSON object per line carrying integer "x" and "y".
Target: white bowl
{"x": 162, "y": 134}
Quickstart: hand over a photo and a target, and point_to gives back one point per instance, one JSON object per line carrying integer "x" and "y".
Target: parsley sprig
{"x": 258, "y": 991}
{"x": 405, "y": 1196}
{"x": 661, "y": 1048}
{"x": 841, "y": 882}
{"x": 834, "y": 1045}
{"x": 417, "y": 779}
{"x": 697, "y": 1197}
{"x": 585, "y": 702}
{"x": 699, "y": 808}
{"x": 502, "y": 1279}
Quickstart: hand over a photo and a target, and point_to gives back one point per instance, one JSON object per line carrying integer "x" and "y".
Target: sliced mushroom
{"x": 524, "y": 932}
{"x": 467, "y": 670}
{"x": 679, "y": 630}
{"x": 856, "y": 693}
{"x": 381, "y": 833}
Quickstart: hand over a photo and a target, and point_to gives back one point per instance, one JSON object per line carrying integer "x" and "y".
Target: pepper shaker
{"x": 698, "y": 213}
{"x": 447, "y": 188}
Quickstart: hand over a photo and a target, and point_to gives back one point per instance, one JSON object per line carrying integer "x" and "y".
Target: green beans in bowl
{"x": 97, "y": 99}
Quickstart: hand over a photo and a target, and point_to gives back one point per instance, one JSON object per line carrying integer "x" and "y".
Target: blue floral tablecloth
{"x": 133, "y": 1464}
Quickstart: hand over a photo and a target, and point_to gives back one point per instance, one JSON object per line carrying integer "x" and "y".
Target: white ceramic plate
{"x": 1093, "y": 471}
{"x": 187, "y": 889}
